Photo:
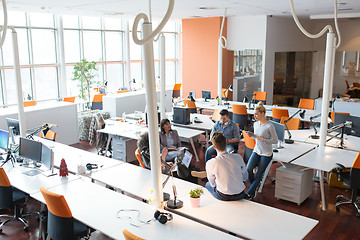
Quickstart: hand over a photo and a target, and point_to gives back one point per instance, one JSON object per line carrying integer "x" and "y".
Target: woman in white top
{"x": 265, "y": 136}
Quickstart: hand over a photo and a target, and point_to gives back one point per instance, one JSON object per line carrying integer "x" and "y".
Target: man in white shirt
{"x": 226, "y": 172}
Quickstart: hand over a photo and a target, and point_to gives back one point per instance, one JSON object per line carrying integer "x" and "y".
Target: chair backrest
{"x": 239, "y": 109}
{"x": 122, "y": 91}
{"x": 97, "y": 102}
{"x": 6, "y": 195}
{"x": 69, "y": 99}
{"x": 225, "y": 92}
{"x": 177, "y": 86}
{"x": 277, "y": 113}
{"x": 29, "y": 103}
{"x": 4, "y": 180}
{"x": 259, "y": 96}
{"x": 56, "y": 203}
{"x": 129, "y": 236}
{"x": 293, "y": 124}
{"x": 138, "y": 157}
{"x": 249, "y": 141}
{"x": 47, "y": 133}
{"x": 189, "y": 104}
{"x": 306, "y": 103}
{"x": 355, "y": 173}
{"x": 216, "y": 115}
{"x": 332, "y": 115}
{"x": 98, "y": 97}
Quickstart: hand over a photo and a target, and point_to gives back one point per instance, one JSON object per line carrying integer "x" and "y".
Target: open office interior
{"x": 83, "y": 84}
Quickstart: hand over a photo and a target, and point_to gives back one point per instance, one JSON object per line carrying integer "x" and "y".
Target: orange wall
{"x": 200, "y": 56}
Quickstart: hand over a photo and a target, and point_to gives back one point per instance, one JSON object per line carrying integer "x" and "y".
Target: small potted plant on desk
{"x": 195, "y": 197}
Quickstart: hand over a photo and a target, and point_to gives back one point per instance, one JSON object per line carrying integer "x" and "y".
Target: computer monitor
{"x": 30, "y": 149}
{"x": 4, "y": 139}
{"x": 15, "y": 124}
{"x": 280, "y": 130}
{"x": 355, "y": 128}
{"x": 47, "y": 159}
{"x": 206, "y": 94}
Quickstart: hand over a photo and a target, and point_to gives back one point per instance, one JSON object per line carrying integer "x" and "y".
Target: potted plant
{"x": 195, "y": 197}
{"x": 84, "y": 72}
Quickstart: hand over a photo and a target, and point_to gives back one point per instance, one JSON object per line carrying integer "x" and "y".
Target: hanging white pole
{"x": 221, "y": 46}
{"x": 332, "y": 74}
{"x": 147, "y": 42}
{"x": 162, "y": 77}
{"x": 21, "y": 114}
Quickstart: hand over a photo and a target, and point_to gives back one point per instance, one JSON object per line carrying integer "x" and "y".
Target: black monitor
{"x": 30, "y": 149}
{"x": 355, "y": 128}
{"x": 4, "y": 139}
{"x": 47, "y": 157}
{"x": 15, "y": 124}
{"x": 181, "y": 115}
{"x": 280, "y": 130}
{"x": 206, "y": 94}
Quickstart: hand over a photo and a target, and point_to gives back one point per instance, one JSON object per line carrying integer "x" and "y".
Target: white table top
{"x": 325, "y": 158}
{"x": 97, "y": 207}
{"x": 239, "y": 217}
{"x": 292, "y": 151}
{"x": 207, "y": 124}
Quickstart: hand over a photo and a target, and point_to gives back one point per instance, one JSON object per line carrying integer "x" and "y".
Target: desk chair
{"x": 240, "y": 115}
{"x": 277, "y": 113}
{"x": 61, "y": 224}
{"x": 138, "y": 157}
{"x": 352, "y": 179}
{"x": 332, "y": 115}
{"x": 249, "y": 146}
{"x": 29, "y": 103}
{"x": 216, "y": 115}
{"x": 97, "y": 102}
{"x": 122, "y": 91}
{"x": 306, "y": 103}
{"x": 259, "y": 96}
{"x": 11, "y": 198}
{"x": 176, "y": 90}
{"x": 69, "y": 99}
{"x": 129, "y": 236}
{"x": 293, "y": 124}
{"x": 47, "y": 133}
{"x": 191, "y": 105}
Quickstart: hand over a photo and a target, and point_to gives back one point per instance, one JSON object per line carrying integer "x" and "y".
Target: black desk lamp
{"x": 302, "y": 115}
{"x": 229, "y": 88}
{"x": 44, "y": 128}
{"x": 312, "y": 124}
{"x": 252, "y": 101}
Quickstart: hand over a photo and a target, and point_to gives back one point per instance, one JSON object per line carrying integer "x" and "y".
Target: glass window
{"x": 114, "y": 46}
{"x": 115, "y": 76}
{"x": 170, "y": 45}
{"x": 70, "y": 21}
{"x": 11, "y": 90}
{"x": 135, "y": 50}
{"x": 170, "y": 26}
{"x": 113, "y": 23}
{"x": 170, "y": 73}
{"x": 73, "y": 87}
{"x": 99, "y": 75}
{"x": 91, "y": 22}
{"x": 46, "y": 83}
{"x": 157, "y": 49}
{"x": 43, "y": 41}
{"x": 72, "y": 46}
{"x": 7, "y": 48}
{"x": 41, "y": 20}
{"x": 92, "y": 45}
{"x": 16, "y": 19}
{"x": 136, "y": 73}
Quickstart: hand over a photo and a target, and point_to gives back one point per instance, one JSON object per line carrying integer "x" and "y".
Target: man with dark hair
{"x": 230, "y": 130}
{"x": 226, "y": 172}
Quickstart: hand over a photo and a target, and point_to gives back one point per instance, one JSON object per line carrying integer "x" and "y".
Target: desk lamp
{"x": 312, "y": 124}
{"x": 252, "y": 101}
{"x": 302, "y": 115}
{"x": 229, "y": 88}
{"x": 341, "y": 126}
{"x": 44, "y": 128}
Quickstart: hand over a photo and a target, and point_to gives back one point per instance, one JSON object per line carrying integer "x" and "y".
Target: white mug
{"x": 81, "y": 169}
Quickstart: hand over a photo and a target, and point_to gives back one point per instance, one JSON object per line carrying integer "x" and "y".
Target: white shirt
{"x": 227, "y": 172}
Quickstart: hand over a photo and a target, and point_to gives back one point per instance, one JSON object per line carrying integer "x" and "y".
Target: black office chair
{"x": 351, "y": 178}
{"x": 11, "y": 198}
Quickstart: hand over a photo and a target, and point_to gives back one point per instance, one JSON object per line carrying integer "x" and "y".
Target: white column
{"x": 127, "y": 57}
{"x": 63, "y": 86}
{"x": 162, "y": 77}
{"x": 151, "y": 100}
{"x": 220, "y": 58}
{"x": 329, "y": 67}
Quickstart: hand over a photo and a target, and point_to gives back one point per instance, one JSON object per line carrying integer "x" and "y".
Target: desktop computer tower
{"x": 181, "y": 115}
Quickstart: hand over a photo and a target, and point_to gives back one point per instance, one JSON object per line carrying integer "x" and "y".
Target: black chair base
{"x": 355, "y": 200}
{"x": 17, "y": 216}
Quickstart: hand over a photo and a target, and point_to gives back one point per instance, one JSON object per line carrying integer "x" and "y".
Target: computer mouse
{"x": 275, "y": 150}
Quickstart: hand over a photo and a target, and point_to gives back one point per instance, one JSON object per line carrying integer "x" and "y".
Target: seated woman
{"x": 169, "y": 139}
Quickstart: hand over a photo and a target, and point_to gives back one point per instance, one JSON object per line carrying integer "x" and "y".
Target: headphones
{"x": 91, "y": 166}
{"x": 163, "y": 217}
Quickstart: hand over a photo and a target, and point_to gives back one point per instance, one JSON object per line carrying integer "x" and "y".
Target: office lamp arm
{"x": 287, "y": 120}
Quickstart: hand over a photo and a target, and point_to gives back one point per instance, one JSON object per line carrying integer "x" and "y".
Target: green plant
{"x": 84, "y": 72}
{"x": 196, "y": 193}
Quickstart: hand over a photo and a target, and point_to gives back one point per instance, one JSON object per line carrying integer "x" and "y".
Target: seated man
{"x": 226, "y": 172}
{"x": 230, "y": 130}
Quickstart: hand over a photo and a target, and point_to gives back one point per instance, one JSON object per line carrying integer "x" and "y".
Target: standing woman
{"x": 265, "y": 135}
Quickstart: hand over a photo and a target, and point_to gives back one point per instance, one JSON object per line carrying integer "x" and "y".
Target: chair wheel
{"x": 26, "y": 229}
{"x": 337, "y": 208}
{"x": 358, "y": 215}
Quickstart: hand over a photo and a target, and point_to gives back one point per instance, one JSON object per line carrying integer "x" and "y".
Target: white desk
{"x": 248, "y": 219}
{"x": 341, "y": 106}
{"x": 324, "y": 160}
{"x": 291, "y": 151}
{"x": 97, "y": 207}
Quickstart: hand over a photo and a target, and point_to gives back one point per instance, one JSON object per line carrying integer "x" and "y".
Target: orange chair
{"x": 216, "y": 115}
{"x": 293, "y": 124}
{"x": 122, "y": 91}
{"x": 277, "y": 113}
{"x": 129, "y": 236}
{"x": 29, "y": 103}
{"x": 48, "y": 131}
{"x": 225, "y": 93}
{"x": 240, "y": 115}
{"x": 332, "y": 115}
{"x": 138, "y": 157}
{"x": 61, "y": 224}
{"x": 69, "y": 99}
{"x": 176, "y": 90}
{"x": 249, "y": 146}
{"x": 306, "y": 103}
{"x": 97, "y": 102}
{"x": 191, "y": 105}
{"x": 259, "y": 96}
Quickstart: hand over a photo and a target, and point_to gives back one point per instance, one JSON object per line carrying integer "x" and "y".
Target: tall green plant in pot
{"x": 84, "y": 73}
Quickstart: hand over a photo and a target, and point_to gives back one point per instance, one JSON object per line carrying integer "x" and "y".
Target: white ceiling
{"x": 183, "y": 8}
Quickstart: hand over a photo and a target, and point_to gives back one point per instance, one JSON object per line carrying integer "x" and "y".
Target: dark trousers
{"x": 222, "y": 196}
